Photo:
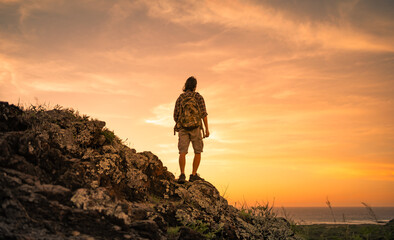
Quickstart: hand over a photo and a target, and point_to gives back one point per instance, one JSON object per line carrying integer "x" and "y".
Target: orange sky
{"x": 299, "y": 93}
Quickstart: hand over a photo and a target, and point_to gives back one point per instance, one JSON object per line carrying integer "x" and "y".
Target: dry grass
{"x": 370, "y": 211}
{"x": 332, "y": 212}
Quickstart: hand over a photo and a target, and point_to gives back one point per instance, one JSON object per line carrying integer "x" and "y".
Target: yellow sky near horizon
{"x": 299, "y": 93}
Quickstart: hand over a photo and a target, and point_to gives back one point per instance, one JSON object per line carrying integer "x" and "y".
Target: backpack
{"x": 190, "y": 113}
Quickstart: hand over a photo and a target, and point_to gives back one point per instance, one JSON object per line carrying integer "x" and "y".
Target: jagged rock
{"x": 10, "y": 118}
{"x": 99, "y": 200}
{"x": 64, "y": 176}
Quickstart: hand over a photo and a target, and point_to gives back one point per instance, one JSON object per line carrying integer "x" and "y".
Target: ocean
{"x": 342, "y": 215}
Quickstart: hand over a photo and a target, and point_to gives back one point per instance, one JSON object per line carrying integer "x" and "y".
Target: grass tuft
{"x": 203, "y": 228}
{"x": 370, "y": 211}
{"x": 173, "y": 232}
{"x": 332, "y": 212}
{"x": 109, "y": 135}
{"x": 260, "y": 212}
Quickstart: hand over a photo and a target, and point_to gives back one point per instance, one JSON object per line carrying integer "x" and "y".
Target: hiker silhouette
{"x": 189, "y": 113}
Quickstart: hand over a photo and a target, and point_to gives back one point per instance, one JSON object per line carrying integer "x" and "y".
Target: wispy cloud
{"x": 163, "y": 115}
{"x": 250, "y": 16}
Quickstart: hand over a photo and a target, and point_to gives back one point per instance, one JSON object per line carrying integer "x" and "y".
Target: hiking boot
{"x": 182, "y": 178}
{"x": 196, "y": 177}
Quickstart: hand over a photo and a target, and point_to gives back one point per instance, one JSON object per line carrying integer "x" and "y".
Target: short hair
{"x": 190, "y": 84}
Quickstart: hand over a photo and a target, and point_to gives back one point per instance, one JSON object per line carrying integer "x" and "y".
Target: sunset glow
{"x": 299, "y": 94}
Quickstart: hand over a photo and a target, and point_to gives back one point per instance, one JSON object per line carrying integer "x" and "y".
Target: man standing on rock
{"x": 189, "y": 111}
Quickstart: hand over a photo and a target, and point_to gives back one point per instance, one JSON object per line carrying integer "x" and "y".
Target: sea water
{"x": 339, "y": 215}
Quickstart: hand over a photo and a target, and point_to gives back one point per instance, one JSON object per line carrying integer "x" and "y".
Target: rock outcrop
{"x": 65, "y": 176}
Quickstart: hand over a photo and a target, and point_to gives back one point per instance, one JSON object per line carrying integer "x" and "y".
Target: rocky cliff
{"x": 65, "y": 176}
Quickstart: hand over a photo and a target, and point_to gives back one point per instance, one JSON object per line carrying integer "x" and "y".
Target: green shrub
{"x": 173, "y": 231}
{"x": 203, "y": 228}
{"x": 245, "y": 214}
{"x": 109, "y": 135}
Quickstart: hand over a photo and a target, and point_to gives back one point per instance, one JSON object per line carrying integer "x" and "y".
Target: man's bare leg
{"x": 196, "y": 162}
{"x": 182, "y": 162}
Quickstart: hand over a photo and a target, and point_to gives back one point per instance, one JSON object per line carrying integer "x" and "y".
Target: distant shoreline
{"x": 381, "y": 223}
{"x": 338, "y": 216}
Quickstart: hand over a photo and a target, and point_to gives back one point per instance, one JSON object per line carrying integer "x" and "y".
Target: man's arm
{"x": 205, "y": 119}
{"x": 203, "y": 112}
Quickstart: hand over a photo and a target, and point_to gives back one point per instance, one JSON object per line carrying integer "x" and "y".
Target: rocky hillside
{"x": 65, "y": 176}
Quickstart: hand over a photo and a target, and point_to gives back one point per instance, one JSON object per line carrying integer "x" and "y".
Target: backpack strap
{"x": 199, "y": 114}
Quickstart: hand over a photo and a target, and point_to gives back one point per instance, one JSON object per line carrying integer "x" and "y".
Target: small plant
{"x": 57, "y": 107}
{"x": 264, "y": 210}
{"x": 245, "y": 214}
{"x": 332, "y": 212}
{"x": 154, "y": 199}
{"x": 259, "y": 213}
{"x": 370, "y": 211}
{"x": 203, "y": 228}
{"x": 284, "y": 212}
{"x": 173, "y": 232}
{"x": 288, "y": 217}
{"x": 225, "y": 191}
{"x": 109, "y": 135}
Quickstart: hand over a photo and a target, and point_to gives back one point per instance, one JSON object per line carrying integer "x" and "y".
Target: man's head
{"x": 190, "y": 84}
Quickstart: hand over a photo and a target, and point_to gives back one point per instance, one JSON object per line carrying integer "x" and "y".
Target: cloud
{"x": 218, "y": 136}
{"x": 336, "y": 34}
{"x": 163, "y": 115}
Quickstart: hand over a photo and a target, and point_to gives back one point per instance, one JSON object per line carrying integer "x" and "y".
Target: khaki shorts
{"x": 184, "y": 138}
